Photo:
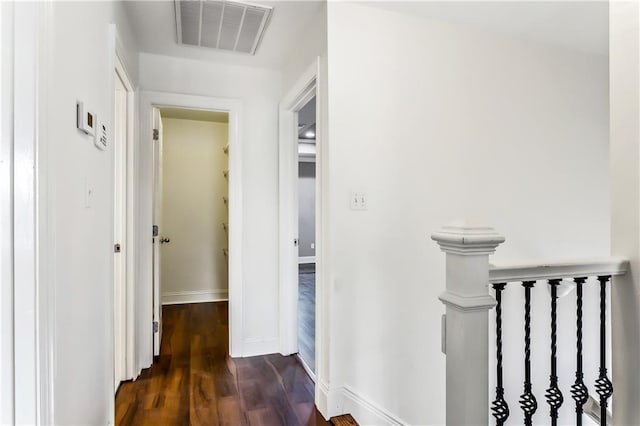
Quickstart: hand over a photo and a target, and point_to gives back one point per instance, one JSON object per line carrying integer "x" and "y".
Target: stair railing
{"x": 471, "y": 284}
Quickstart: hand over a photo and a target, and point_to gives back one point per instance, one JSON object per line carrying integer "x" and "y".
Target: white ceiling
{"x": 154, "y": 24}
{"x": 579, "y": 25}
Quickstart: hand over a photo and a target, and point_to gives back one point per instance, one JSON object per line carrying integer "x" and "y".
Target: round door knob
{"x": 164, "y": 240}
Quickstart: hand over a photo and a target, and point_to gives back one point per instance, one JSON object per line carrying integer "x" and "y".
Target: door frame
{"x": 294, "y": 101}
{"x": 313, "y": 76}
{"x": 26, "y": 297}
{"x": 144, "y": 289}
{"x": 127, "y": 310}
{"x": 157, "y": 220}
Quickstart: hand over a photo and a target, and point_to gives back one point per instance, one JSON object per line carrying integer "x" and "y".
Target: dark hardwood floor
{"x": 195, "y": 382}
{"x": 307, "y": 314}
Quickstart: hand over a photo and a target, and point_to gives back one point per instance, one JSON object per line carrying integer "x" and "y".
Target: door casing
{"x": 312, "y": 81}
{"x": 123, "y": 230}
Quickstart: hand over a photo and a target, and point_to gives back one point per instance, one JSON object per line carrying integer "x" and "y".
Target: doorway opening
{"x": 306, "y": 134}
{"x": 148, "y": 296}
{"x": 302, "y": 328}
{"x": 191, "y": 199}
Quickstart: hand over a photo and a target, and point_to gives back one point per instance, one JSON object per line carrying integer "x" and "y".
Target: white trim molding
{"x": 131, "y": 198}
{"x": 365, "y": 411}
{"x": 467, "y": 303}
{"x": 32, "y": 282}
{"x": 198, "y": 296}
{"x": 296, "y": 98}
{"x": 258, "y": 346}
{"x": 330, "y": 401}
{"x": 6, "y": 214}
{"x": 589, "y": 267}
{"x": 306, "y": 368}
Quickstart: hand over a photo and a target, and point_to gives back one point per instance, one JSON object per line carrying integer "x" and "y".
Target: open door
{"x": 121, "y": 245}
{"x": 158, "y": 240}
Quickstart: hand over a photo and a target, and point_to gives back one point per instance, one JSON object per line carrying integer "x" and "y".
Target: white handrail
{"x": 591, "y": 267}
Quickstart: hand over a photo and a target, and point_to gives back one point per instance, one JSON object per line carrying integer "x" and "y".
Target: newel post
{"x": 467, "y": 299}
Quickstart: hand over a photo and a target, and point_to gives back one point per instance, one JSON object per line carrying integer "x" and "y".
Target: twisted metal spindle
{"x": 604, "y": 387}
{"x": 499, "y": 407}
{"x": 579, "y": 390}
{"x": 528, "y": 402}
{"x": 554, "y": 395}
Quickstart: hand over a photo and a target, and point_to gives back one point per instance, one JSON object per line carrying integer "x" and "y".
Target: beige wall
{"x": 194, "y": 267}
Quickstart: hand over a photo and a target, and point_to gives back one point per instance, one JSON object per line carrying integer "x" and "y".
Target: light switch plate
{"x": 358, "y": 201}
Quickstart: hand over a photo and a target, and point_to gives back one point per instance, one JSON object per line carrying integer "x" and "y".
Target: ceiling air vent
{"x": 225, "y": 25}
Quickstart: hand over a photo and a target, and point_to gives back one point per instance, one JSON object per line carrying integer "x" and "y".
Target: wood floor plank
{"x": 195, "y": 382}
{"x": 345, "y": 420}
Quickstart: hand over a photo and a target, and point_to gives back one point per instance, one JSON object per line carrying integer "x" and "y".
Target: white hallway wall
{"x": 81, "y": 250}
{"x": 312, "y": 43}
{"x": 437, "y": 122}
{"x": 624, "y": 28}
{"x": 259, "y": 90}
{"x": 194, "y": 268}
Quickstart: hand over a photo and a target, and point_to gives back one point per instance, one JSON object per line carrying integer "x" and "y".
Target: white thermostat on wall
{"x": 85, "y": 120}
{"x": 101, "y": 137}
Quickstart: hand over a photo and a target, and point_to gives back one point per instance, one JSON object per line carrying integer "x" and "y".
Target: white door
{"x": 120, "y": 230}
{"x": 157, "y": 239}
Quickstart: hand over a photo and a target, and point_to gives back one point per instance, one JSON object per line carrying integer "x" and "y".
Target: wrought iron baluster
{"x": 527, "y": 401}
{"x": 554, "y": 395}
{"x": 579, "y": 391}
{"x": 499, "y": 407}
{"x": 604, "y": 388}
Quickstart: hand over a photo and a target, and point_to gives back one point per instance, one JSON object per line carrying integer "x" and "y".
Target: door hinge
{"x": 154, "y": 231}
{"x": 156, "y": 326}
{"x": 156, "y": 134}
{"x": 117, "y": 248}
{"x": 295, "y": 242}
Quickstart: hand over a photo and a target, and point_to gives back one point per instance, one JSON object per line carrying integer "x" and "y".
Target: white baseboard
{"x": 255, "y": 347}
{"x": 365, "y": 411}
{"x": 307, "y": 369}
{"x": 178, "y": 297}
{"x": 306, "y": 259}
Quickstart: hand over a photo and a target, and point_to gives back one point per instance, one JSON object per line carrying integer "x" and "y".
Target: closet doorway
{"x": 191, "y": 199}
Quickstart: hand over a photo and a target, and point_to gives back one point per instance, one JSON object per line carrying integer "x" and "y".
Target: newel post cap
{"x": 467, "y": 238}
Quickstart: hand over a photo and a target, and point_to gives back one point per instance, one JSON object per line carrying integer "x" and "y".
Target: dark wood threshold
{"x": 344, "y": 420}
